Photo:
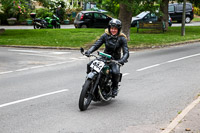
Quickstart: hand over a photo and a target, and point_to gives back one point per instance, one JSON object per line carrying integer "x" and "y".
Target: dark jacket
{"x": 113, "y": 46}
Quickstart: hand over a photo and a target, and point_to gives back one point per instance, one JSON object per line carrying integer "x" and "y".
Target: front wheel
{"x": 84, "y": 26}
{"x": 85, "y": 97}
{"x": 187, "y": 19}
{"x": 35, "y": 26}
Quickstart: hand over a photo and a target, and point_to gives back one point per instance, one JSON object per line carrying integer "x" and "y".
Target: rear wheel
{"x": 85, "y": 97}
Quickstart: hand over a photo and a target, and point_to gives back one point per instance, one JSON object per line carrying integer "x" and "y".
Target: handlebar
{"x": 92, "y": 55}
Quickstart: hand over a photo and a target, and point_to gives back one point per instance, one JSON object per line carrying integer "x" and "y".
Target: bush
{"x": 3, "y": 18}
{"x": 196, "y": 11}
{"x": 43, "y": 13}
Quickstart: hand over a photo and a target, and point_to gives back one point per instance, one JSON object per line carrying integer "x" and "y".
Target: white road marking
{"x": 33, "y": 51}
{"x": 6, "y": 72}
{"x": 147, "y": 67}
{"x": 32, "y": 98}
{"x": 170, "y": 61}
{"x": 125, "y": 74}
{"x": 39, "y": 55}
{"x": 35, "y": 67}
{"x": 59, "y": 53}
{"x": 26, "y": 51}
{"x": 183, "y": 58}
{"x": 23, "y": 69}
{"x": 77, "y": 58}
{"x": 177, "y": 120}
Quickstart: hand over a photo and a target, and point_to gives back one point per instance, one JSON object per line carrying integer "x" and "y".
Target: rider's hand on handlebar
{"x": 87, "y": 53}
{"x": 121, "y": 62}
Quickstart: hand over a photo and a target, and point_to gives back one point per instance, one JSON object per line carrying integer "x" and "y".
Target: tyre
{"x": 84, "y": 26}
{"x": 187, "y": 19}
{"x": 36, "y": 26}
{"x": 85, "y": 97}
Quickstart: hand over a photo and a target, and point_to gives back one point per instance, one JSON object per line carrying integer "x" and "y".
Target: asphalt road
{"x": 40, "y": 91}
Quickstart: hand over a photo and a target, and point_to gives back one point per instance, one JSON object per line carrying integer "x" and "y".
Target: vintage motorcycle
{"x": 48, "y": 22}
{"x": 98, "y": 83}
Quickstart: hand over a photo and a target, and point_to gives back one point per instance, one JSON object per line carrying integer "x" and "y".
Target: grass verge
{"x": 196, "y": 20}
{"x": 76, "y": 38}
{"x": 173, "y": 35}
{"x": 51, "y": 37}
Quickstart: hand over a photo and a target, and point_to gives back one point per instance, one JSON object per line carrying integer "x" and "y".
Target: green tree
{"x": 164, "y": 10}
{"x": 125, "y": 15}
{"x": 125, "y": 9}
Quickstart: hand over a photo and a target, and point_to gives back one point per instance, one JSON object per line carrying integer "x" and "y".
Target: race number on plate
{"x": 97, "y": 65}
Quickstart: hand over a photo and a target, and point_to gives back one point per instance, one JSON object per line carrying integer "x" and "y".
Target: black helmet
{"x": 115, "y": 23}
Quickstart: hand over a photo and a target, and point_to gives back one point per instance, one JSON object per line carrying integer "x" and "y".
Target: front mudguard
{"x": 92, "y": 75}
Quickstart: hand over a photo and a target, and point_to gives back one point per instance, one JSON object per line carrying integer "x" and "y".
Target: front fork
{"x": 94, "y": 76}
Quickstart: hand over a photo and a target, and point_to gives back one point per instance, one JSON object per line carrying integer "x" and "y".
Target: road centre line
{"x": 23, "y": 69}
{"x": 32, "y": 98}
{"x": 147, "y": 67}
{"x": 5, "y": 72}
{"x": 170, "y": 61}
{"x": 36, "y": 67}
{"x": 186, "y": 57}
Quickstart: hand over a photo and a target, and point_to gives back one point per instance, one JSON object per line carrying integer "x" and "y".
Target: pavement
{"x": 71, "y": 26}
{"x": 188, "y": 121}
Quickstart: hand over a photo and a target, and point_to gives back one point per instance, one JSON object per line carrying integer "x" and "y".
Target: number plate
{"x": 97, "y": 65}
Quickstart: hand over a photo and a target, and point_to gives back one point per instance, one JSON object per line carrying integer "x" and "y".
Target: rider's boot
{"x": 115, "y": 91}
{"x": 115, "y": 85}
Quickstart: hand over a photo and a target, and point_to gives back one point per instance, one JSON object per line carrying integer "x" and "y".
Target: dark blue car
{"x": 146, "y": 16}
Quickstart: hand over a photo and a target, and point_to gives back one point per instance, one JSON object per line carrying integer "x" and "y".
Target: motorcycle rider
{"x": 115, "y": 42}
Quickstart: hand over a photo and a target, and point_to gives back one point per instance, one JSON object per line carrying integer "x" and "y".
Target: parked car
{"x": 146, "y": 16}
{"x": 175, "y": 10}
{"x": 91, "y": 19}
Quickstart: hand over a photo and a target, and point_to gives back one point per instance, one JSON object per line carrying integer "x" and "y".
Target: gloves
{"x": 121, "y": 61}
{"x": 87, "y": 53}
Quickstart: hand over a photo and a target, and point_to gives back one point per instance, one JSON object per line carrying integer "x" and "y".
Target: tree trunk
{"x": 125, "y": 16}
{"x": 164, "y": 9}
{"x": 183, "y": 19}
